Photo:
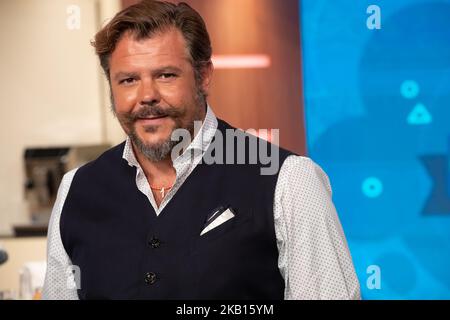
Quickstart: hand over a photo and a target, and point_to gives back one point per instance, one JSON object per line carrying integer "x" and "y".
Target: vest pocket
{"x": 218, "y": 258}
{"x": 234, "y": 228}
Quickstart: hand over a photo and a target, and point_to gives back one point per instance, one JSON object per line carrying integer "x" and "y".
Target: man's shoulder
{"x": 252, "y": 135}
{"x": 104, "y": 161}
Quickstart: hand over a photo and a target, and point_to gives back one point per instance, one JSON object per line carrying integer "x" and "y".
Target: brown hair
{"x": 149, "y": 17}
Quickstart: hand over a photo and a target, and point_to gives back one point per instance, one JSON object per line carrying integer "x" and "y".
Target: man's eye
{"x": 167, "y": 75}
{"x": 127, "y": 81}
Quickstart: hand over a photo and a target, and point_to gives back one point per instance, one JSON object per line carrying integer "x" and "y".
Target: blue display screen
{"x": 377, "y": 103}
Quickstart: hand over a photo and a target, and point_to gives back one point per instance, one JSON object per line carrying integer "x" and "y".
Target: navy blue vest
{"x": 125, "y": 251}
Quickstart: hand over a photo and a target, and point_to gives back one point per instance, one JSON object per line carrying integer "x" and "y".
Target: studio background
{"x": 361, "y": 87}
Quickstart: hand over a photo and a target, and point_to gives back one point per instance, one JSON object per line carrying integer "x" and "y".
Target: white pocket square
{"x": 222, "y": 218}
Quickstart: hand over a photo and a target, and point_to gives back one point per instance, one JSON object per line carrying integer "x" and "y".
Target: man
{"x": 145, "y": 222}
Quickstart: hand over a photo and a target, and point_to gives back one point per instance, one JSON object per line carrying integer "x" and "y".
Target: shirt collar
{"x": 201, "y": 141}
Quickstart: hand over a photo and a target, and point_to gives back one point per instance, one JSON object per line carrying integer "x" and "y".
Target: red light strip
{"x": 251, "y": 61}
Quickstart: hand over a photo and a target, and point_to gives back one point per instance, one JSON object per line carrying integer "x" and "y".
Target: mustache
{"x": 152, "y": 111}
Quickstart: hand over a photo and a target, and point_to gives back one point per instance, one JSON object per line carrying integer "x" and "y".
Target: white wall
{"x": 20, "y": 251}
{"x": 52, "y": 91}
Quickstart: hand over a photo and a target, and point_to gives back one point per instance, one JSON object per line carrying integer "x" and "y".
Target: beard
{"x": 160, "y": 150}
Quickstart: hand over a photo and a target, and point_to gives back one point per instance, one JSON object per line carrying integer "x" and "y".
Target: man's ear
{"x": 206, "y": 73}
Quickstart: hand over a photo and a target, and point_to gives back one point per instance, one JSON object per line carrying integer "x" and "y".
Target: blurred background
{"x": 361, "y": 87}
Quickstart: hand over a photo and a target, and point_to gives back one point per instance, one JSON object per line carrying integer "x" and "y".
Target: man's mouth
{"x": 152, "y": 120}
{"x": 152, "y": 117}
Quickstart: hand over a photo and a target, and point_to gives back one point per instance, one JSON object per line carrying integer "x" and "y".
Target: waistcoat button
{"x": 150, "y": 278}
{"x": 155, "y": 243}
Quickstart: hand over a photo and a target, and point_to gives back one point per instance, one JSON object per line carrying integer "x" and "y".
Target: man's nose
{"x": 149, "y": 93}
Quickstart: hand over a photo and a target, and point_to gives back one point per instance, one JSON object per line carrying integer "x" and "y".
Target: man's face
{"x": 155, "y": 91}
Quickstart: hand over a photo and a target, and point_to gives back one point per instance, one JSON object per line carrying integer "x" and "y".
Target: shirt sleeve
{"x": 314, "y": 259}
{"x": 59, "y": 280}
